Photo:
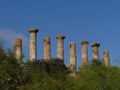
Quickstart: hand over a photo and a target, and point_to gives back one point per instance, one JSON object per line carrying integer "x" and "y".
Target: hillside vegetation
{"x": 54, "y": 75}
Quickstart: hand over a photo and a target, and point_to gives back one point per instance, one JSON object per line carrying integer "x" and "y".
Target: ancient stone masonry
{"x": 60, "y": 50}
{"x": 33, "y": 44}
{"x": 95, "y": 50}
{"x": 106, "y": 58}
{"x": 18, "y": 48}
{"x": 72, "y": 64}
{"x": 47, "y": 49}
{"x": 84, "y": 53}
{"x": 60, "y": 47}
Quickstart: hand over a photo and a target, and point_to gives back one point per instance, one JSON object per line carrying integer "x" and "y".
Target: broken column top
{"x": 95, "y": 44}
{"x": 35, "y": 30}
{"x": 60, "y": 37}
{"x": 72, "y": 42}
{"x": 84, "y": 42}
{"x": 18, "y": 41}
{"x": 106, "y": 51}
{"x": 47, "y": 37}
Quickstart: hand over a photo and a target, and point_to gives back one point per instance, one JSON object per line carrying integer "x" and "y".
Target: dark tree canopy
{"x": 54, "y": 75}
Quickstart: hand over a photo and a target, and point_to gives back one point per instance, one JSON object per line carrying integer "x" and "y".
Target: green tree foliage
{"x": 97, "y": 77}
{"x": 54, "y": 75}
{"x": 51, "y": 75}
{"x": 10, "y": 71}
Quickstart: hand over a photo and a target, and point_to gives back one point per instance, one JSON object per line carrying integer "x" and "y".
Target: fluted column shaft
{"x": 33, "y": 44}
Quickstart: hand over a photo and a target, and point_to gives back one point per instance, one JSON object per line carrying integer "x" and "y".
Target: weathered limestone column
{"x": 84, "y": 53}
{"x": 106, "y": 58}
{"x": 18, "y": 48}
{"x": 60, "y": 47}
{"x": 95, "y": 50}
{"x": 47, "y": 49}
{"x": 73, "y": 55}
{"x": 33, "y": 44}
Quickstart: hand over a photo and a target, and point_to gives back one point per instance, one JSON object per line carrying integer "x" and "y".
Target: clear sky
{"x": 90, "y": 20}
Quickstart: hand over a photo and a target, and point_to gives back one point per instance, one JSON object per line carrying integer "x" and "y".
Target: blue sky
{"x": 90, "y": 20}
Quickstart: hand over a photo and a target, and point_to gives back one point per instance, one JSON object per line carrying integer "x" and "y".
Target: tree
{"x": 97, "y": 77}
{"x": 10, "y": 70}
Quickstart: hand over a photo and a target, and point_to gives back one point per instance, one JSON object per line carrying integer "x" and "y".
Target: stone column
{"x": 60, "y": 47}
{"x": 47, "y": 49}
{"x": 18, "y": 48}
{"x": 33, "y": 44}
{"x": 95, "y": 50}
{"x": 84, "y": 53}
{"x": 73, "y": 55}
{"x": 106, "y": 58}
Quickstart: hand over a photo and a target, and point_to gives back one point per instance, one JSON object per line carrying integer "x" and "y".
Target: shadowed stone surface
{"x": 73, "y": 55}
{"x": 47, "y": 49}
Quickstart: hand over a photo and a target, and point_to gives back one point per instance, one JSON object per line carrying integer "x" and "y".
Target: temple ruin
{"x": 60, "y": 50}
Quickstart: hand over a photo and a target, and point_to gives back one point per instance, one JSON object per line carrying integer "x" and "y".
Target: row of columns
{"x": 60, "y": 49}
{"x": 95, "y": 47}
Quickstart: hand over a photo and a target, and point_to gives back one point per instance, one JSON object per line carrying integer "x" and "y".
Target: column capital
{"x": 95, "y": 44}
{"x": 84, "y": 42}
{"x": 60, "y": 37}
{"x": 33, "y": 30}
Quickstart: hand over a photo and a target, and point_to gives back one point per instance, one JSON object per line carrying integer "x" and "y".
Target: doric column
{"x": 33, "y": 44}
{"x": 73, "y": 55}
{"x": 47, "y": 49}
{"x": 18, "y": 48}
{"x": 60, "y": 47}
{"x": 106, "y": 58}
{"x": 95, "y": 50}
{"x": 84, "y": 52}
